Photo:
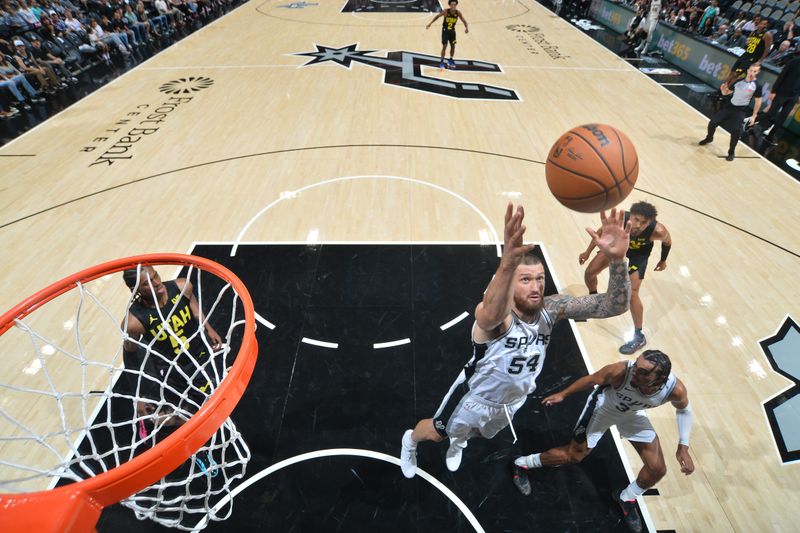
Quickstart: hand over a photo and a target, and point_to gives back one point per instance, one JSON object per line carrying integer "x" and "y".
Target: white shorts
{"x": 594, "y": 421}
{"x": 463, "y": 415}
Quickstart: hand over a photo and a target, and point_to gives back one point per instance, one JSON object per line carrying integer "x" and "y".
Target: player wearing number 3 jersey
{"x": 622, "y": 393}
{"x": 510, "y": 337}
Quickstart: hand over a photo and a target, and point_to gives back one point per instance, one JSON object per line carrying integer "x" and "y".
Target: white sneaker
{"x": 453, "y": 456}
{"x": 408, "y": 456}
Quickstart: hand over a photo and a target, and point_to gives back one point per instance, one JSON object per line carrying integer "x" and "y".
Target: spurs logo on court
{"x": 404, "y": 69}
{"x": 186, "y": 85}
{"x": 783, "y": 353}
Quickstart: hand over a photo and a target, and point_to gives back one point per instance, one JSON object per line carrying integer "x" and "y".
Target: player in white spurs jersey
{"x": 510, "y": 336}
{"x": 623, "y": 391}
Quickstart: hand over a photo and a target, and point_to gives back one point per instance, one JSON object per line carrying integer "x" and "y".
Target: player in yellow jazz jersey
{"x": 451, "y": 16}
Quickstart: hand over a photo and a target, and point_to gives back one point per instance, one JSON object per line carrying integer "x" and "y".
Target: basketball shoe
{"x": 630, "y": 514}
{"x": 408, "y": 455}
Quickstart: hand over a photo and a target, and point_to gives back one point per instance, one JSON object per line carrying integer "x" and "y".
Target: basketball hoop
{"x": 76, "y": 507}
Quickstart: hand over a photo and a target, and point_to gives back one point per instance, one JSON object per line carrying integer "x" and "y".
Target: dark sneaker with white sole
{"x": 520, "y": 479}
{"x": 637, "y": 343}
{"x": 630, "y": 513}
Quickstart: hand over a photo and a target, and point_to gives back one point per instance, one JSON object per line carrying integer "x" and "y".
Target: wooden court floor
{"x": 195, "y": 144}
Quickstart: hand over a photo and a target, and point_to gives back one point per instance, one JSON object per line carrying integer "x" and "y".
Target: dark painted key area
{"x": 304, "y": 398}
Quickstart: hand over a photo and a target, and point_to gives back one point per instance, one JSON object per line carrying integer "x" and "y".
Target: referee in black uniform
{"x": 733, "y": 112}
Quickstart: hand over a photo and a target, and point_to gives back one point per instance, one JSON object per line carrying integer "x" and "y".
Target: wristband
{"x": 684, "y": 417}
{"x": 665, "y": 248}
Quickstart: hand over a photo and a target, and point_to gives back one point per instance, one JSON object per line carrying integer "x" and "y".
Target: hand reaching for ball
{"x": 614, "y": 237}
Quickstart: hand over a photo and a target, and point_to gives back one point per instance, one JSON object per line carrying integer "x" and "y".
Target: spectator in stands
{"x": 785, "y": 94}
{"x": 751, "y": 25}
{"x": 42, "y": 72}
{"x": 721, "y": 36}
{"x": 119, "y": 25}
{"x": 680, "y": 20}
{"x": 11, "y": 21}
{"x": 72, "y": 23}
{"x": 778, "y": 55}
{"x": 56, "y": 63}
{"x": 133, "y": 23}
{"x": 51, "y": 25}
{"x": 107, "y": 38}
{"x": 707, "y": 29}
{"x": 172, "y": 14}
{"x": 30, "y": 19}
{"x": 710, "y": 13}
{"x": 785, "y": 33}
{"x": 187, "y": 7}
{"x": 36, "y": 9}
{"x": 6, "y": 48}
{"x": 737, "y": 40}
{"x": 691, "y": 26}
{"x": 739, "y": 21}
{"x": 11, "y": 112}
{"x": 638, "y": 23}
{"x": 12, "y": 78}
{"x": 75, "y": 26}
{"x": 57, "y": 22}
{"x": 66, "y": 5}
{"x": 99, "y": 39}
{"x": 143, "y": 17}
{"x": 47, "y": 30}
{"x": 157, "y": 19}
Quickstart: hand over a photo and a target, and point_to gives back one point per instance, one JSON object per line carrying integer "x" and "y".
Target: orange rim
{"x": 77, "y": 507}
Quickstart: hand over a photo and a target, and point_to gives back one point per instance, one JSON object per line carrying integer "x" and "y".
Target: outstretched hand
{"x": 685, "y": 460}
{"x": 513, "y": 248}
{"x": 554, "y": 399}
{"x": 214, "y": 339}
{"x": 614, "y": 237}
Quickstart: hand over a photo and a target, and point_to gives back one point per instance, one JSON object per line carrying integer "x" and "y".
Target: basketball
{"x": 591, "y": 168}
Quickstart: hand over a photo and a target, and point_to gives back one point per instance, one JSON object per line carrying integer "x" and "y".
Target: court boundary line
{"x": 341, "y": 452}
{"x": 288, "y": 195}
{"x": 135, "y": 68}
{"x": 260, "y": 154}
{"x": 269, "y": 15}
{"x": 648, "y": 520}
{"x": 710, "y": 485}
{"x": 367, "y": 145}
{"x": 529, "y": 67}
{"x": 394, "y": 460}
{"x": 770, "y": 163}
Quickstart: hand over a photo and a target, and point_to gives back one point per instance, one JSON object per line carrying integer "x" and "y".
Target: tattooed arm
{"x": 613, "y": 302}
{"x": 612, "y": 239}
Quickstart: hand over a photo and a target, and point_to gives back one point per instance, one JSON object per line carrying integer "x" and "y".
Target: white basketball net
{"x": 68, "y": 405}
